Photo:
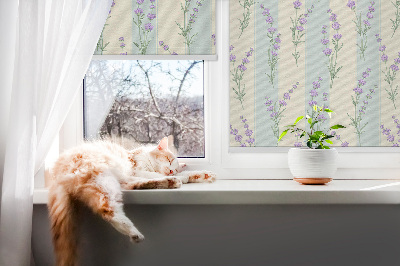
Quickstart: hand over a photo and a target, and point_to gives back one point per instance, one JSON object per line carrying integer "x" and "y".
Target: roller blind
{"x": 159, "y": 27}
{"x": 287, "y": 56}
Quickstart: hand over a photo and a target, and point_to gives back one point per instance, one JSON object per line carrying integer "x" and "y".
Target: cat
{"x": 94, "y": 173}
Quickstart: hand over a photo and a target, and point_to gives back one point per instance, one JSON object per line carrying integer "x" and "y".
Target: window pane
{"x": 140, "y": 102}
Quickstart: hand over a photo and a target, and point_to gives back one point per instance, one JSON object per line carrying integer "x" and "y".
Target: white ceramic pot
{"x": 312, "y": 166}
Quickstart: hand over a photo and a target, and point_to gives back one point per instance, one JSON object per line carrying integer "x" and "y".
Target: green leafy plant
{"x": 316, "y": 138}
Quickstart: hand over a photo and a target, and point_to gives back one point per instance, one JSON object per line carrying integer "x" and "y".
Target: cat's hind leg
{"x": 103, "y": 195}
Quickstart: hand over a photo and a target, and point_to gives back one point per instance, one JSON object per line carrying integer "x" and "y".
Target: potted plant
{"x": 316, "y": 163}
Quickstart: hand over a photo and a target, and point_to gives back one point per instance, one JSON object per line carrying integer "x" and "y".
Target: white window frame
{"x": 246, "y": 163}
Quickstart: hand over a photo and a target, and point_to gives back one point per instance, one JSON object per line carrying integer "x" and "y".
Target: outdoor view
{"x": 140, "y": 102}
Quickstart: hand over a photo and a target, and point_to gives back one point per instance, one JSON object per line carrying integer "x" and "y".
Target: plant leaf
{"x": 337, "y": 126}
{"x": 283, "y": 134}
{"x": 298, "y": 119}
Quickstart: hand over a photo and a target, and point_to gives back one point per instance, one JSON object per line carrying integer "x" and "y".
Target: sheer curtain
{"x": 54, "y": 42}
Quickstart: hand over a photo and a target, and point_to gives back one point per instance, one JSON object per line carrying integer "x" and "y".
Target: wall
{"x": 237, "y": 235}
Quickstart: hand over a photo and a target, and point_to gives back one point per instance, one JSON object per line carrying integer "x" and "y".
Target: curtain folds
{"x": 54, "y": 44}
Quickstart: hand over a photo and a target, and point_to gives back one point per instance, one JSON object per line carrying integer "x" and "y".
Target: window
{"x": 140, "y": 102}
{"x": 228, "y": 162}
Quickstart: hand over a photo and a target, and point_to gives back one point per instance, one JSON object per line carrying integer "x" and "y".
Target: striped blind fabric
{"x": 159, "y": 27}
{"x": 287, "y": 56}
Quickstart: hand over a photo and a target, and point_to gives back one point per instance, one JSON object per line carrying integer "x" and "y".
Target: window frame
{"x": 246, "y": 163}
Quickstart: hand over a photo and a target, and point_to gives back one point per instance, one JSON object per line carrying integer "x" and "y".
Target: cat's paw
{"x": 174, "y": 182}
{"x": 210, "y": 177}
{"x": 137, "y": 237}
{"x": 182, "y": 167}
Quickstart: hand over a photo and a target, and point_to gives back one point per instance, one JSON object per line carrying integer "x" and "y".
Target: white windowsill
{"x": 264, "y": 192}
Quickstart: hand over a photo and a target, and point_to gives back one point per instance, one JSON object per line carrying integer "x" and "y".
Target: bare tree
{"x": 141, "y": 110}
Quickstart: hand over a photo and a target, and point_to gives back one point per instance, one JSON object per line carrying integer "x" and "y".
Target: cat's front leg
{"x": 197, "y": 177}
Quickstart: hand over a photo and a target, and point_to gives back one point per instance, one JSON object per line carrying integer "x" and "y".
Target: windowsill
{"x": 264, "y": 192}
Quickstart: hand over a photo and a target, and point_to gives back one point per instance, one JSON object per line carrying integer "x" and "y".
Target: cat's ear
{"x": 163, "y": 145}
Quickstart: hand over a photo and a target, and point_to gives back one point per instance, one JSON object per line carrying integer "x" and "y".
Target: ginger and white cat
{"x": 94, "y": 174}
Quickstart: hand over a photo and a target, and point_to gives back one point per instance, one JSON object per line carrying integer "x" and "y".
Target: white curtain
{"x": 53, "y": 42}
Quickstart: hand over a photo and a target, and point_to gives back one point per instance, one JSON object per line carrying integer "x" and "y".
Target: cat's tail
{"x": 62, "y": 212}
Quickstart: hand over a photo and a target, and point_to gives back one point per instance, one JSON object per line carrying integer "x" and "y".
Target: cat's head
{"x": 164, "y": 160}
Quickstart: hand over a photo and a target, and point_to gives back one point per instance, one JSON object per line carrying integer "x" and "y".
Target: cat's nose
{"x": 171, "y": 172}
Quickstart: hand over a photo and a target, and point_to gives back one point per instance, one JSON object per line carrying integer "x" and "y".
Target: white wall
{"x": 237, "y": 235}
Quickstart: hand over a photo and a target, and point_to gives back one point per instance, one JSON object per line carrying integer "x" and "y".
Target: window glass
{"x": 140, "y": 102}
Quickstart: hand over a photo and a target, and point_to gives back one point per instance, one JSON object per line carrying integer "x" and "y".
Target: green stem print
{"x": 143, "y": 28}
{"x": 101, "y": 46}
{"x": 360, "y": 104}
{"x": 389, "y": 72}
{"x": 274, "y": 45}
{"x": 189, "y": 20}
{"x": 277, "y": 109}
{"x": 297, "y": 28}
{"x": 362, "y": 25}
{"x": 337, "y": 46}
{"x": 246, "y": 4}
{"x": 396, "y": 20}
{"x": 237, "y": 74}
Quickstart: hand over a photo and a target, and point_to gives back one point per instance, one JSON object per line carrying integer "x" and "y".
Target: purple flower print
{"x": 312, "y": 103}
{"x": 351, "y": 4}
{"x": 297, "y": 28}
{"x": 324, "y": 41}
{"x": 344, "y": 144}
{"x": 390, "y": 73}
{"x": 298, "y": 144}
{"x": 247, "y": 7}
{"x": 391, "y": 137}
{"x": 238, "y": 73}
{"x": 269, "y": 20}
{"x": 313, "y": 93}
{"x": 337, "y": 36}
{"x": 121, "y": 39}
{"x": 152, "y": 6}
{"x": 242, "y": 68}
{"x": 122, "y": 45}
{"x": 139, "y": 2}
{"x": 245, "y": 60}
{"x": 328, "y": 51}
{"x": 336, "y": 25}
{"x": 277, "y": 109}
{"x": 214, "y": 39}
{"x": 302, "y": 21}
{"x": 138, "y": 11}
{"x": 148, "y": 27}
{"x": 151, "y": 16}
{"x": 360, "y": 110}
{"x": 247, "y": 132}
{"x": 297, "y": 4}
{"x": 332, "y": 54}
{"x": 231, "y": 48}
{"x": 394, "y": 68}
{"x": 321, "y": 117}
{"x": 362, "y": 25}
{"x": 166, "y": 47}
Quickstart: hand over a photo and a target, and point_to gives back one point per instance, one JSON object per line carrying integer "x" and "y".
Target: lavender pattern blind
{"x": 159, "y": 27}
{"x": 286, "y": 56}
